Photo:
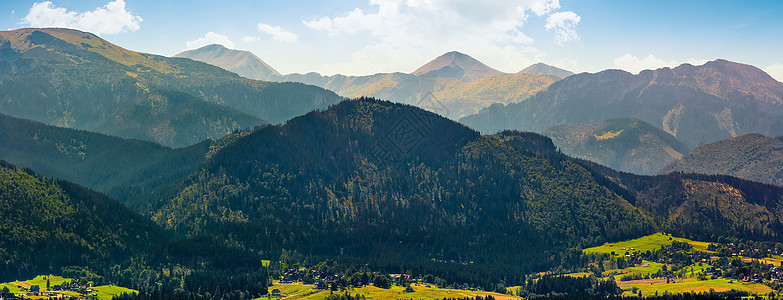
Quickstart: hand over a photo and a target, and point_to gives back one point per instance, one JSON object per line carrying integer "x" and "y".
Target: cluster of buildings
{"x": 312, "y": 277}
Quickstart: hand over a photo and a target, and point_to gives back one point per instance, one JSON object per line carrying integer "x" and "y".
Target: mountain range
{"x": 74, "y": 79}
{"x": 750, "y": 156}
{"x": 453, "y": 84}
{"x": 695, "y": 104}
{"x": 227, "y": 171}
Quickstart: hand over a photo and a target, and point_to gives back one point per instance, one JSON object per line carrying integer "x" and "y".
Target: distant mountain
{"x": 74, "y": 79}
{"x": 456, "y": 65}
{"x": 244, "y": 63}
{"x": 49, "y": 224}
{"x": 544, "y": 69}
{"x": 138, "y": 169}
{"x": 750, "y": 156}
{"x": 696, "y": 104}
{"x": 453, "y": 85}
{"x": 628, "y": 145}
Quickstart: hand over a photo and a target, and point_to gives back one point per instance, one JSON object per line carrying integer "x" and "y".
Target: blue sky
{"x": 371, "y": 36}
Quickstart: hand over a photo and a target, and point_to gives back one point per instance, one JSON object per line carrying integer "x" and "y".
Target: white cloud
{"x": 209, "y": 39}
{"x": 564, "y": 24}
{"x": 113, "y": 18}
{"x": 541, "y": 8}
{"x": 635, "y": 65}
{"x": 278, "y": 33}
{"x": 410, "y": 33}
{"x": 776, "y": 71}
{"x": 248, "y": 39}
{"x": 322, "y": 24}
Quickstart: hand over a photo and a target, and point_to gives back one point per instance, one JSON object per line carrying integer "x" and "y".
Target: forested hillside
{"x": 751, "y": 156}
{"x": 47, "y": 224}
{"x": 126, "y": 170}
{"x": 385, "y": 183}
{"x": 703, "y": 207}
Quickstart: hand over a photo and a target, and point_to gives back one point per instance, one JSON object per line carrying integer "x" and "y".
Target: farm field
{"x": 652, "y": 286}
{"x": 645, "y": 243}
{"x": 421, "y": 291}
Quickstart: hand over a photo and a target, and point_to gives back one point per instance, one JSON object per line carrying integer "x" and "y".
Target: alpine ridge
{"x": 74, "y": 79}
{"x": 695, "y": 104}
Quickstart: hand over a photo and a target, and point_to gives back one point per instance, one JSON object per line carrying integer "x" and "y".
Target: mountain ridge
{"x": 696, "y": 104}
{"x": 456, "y": 93}
{"x": 74, "y": 79}
{"x": 751, "y": 156}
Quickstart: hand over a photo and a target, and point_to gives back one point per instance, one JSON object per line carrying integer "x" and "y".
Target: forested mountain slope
{"x": 751, "y": 156}
{"x": 126, "y": 170}
{"x": 389, "y": 183}
{"x": 47, "y": 224}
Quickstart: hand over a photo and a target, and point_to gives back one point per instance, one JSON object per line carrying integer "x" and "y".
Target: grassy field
{"x": 39, "y": 281}
{"x": 647, "y": 268}
{"x": 651, "y": 286}
{"x": 11, "y": 287}
{"x": 104, "y": 292}
{"x": 645, "y": 243}
{"x": 424, "y": 292}
{"x": 108, "y": 291}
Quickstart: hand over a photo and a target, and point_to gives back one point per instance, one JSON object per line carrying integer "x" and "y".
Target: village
{"x": 49, "y": 286}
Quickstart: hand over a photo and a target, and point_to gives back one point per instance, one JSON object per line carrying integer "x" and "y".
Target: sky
{"x": 363, "y": 37}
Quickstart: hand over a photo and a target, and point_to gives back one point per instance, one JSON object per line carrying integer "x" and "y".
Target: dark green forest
{"x": 333, "y": 183}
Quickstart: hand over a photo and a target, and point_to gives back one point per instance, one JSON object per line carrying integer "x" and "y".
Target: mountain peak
{"x": 544, "y": 69}
{"x": 457, "y": 65}
{"x": 244, "y": 63}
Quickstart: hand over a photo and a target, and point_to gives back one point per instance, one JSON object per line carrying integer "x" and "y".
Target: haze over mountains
{"x": 453, "y": 84}
{"x": 750, "y": 156}
{"x": 629, "y": 145}
{"x": 695, "y": 104}
{"x": 126, "y": 170}
{"x": 75, "y": 79}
